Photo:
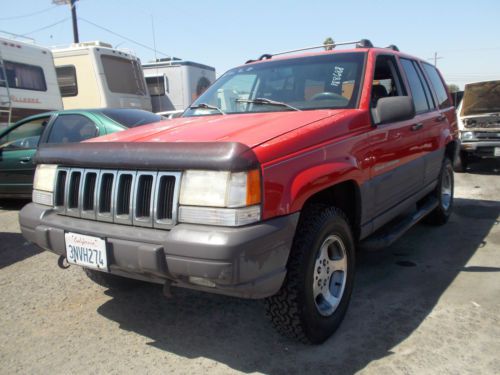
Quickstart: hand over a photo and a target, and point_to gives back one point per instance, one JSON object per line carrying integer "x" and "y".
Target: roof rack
{"x": 363, "y": 43}
{"x": 393, "y": 47}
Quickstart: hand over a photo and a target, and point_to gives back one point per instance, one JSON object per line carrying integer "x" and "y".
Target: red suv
{"x": 264, "y": 188}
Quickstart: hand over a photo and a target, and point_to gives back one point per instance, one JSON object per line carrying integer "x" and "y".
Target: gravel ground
{"x": 428, "y": 304}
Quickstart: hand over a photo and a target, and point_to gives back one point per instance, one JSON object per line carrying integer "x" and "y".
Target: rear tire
{"x": 111, "y": 281}
{"x": 315, "y": 294}
{"x": 444, "y": 194}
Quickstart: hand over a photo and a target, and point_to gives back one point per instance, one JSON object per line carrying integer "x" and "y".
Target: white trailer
{"x": 174, "y": 83}
{"x": 95, "y": 75}
{"x": 28, "y": 83}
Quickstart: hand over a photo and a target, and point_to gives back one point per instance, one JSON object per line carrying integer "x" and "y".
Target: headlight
{"x": 220, "y": 189}
{"x": 43, "y": 184}
{"x": 468, "y": 136}
{"x": 220, "y": 197}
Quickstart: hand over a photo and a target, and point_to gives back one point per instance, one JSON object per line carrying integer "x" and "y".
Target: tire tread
{"x": 283, "y": 308}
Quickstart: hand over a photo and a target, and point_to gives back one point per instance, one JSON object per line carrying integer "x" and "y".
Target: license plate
{"x": 86, "y": 251}
{"x": 497, "y": 151}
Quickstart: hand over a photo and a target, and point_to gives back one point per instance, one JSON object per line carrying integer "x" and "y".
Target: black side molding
{"x": 232, "y": 156}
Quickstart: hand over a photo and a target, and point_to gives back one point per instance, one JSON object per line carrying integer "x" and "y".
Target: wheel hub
{"x": 446, "y": 189}
{"x": 330, "y": 273}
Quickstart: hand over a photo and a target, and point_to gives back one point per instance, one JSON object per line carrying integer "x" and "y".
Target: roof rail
{"x": 363, "y": 43}
{"x": 393, "y": 47}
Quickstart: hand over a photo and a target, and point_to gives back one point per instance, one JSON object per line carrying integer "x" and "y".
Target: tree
{"x": 453, "y": 88}
{"x": 329, "y": 44}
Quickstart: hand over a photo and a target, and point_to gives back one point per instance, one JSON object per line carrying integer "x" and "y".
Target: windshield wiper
{"x": 265, "y": 101}
{"x": 207, "y": 106}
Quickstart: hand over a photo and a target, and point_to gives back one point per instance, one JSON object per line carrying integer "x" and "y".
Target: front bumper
{"x": 248, "y": 262}
{"x": 484, "y": 149}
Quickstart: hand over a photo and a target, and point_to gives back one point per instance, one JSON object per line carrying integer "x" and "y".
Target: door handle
{"x": 440, "y": 118}
{"x": 25, "y": 159}
{"x": 416, "y": 127}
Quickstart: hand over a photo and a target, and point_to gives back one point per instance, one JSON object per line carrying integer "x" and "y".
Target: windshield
{"x": 306, "y": 83}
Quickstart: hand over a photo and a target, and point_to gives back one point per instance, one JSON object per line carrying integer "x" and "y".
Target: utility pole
{"x": 435, "y": 58}
{"x": 72, "y": 4}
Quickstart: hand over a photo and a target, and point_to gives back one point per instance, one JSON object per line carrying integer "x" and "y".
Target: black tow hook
{"x": 62, "y": 262}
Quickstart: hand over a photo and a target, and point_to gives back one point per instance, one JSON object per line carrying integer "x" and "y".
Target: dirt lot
{"x": 428, "y": 304}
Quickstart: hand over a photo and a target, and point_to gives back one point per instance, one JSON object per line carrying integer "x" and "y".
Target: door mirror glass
{"x": 392, "y": 109}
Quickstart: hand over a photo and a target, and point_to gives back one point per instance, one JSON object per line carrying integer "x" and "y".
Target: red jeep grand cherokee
{"x": 264, "y": 188}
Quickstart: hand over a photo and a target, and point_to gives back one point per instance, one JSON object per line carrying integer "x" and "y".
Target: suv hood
{"x": 481, "y": 98}
{"x": 250, "y": 129}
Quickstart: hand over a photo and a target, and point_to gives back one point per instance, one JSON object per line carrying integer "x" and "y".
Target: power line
{"x": 435, "y": 58}
{"x": 48, "y": 26}
{"x": 123, "y": 37}
{"x": 27, "y": 15}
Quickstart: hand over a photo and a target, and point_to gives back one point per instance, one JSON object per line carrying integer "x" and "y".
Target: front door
{"x": 17, "y": 149}
{"x": 396, "y": 148}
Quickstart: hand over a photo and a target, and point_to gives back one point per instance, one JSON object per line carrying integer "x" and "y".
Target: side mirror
{"x": 392, "y": 109}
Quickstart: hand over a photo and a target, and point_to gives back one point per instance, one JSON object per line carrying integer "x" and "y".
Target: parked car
{"x": 19, "y": 142}
{"x": 264, "y": 188}
{"x": 479, "y": 122}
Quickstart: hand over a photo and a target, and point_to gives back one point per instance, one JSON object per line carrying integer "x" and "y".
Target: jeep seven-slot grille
{"x": 142, "y": 198}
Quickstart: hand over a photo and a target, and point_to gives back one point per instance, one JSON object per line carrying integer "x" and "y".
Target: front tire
{"x": 444, "y": 194}
{"x": 315, "y": 294}
{"x": 462, "y": 162}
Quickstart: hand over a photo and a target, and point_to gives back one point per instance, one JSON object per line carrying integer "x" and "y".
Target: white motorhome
{"x": 95, "y": 75}
{"x": 28, "y": 83}
{"x": 174, "y": 83}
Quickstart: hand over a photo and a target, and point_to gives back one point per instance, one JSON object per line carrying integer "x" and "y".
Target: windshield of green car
{"x": 304, "y": 83}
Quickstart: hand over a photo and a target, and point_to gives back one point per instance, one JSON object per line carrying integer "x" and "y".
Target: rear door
{"x": 427, "y": 120}
{"x": 17, "y": 149}
{"x": 444, "y": 116}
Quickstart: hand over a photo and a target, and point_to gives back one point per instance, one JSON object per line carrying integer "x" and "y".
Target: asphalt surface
{"x": 428, "y": 304}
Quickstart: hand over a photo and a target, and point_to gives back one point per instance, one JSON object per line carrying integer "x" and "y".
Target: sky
{"x": 224, "y": 34}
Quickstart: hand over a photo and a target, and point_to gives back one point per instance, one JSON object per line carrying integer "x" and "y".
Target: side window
{"x": 386, "y": 80}
{"x": 25, "y": 136}
{"x": 427, "y": 89}
{"x": 156, "y": 85}
{"x": 24, "y": 76}
{"x": 437, "y": 83}
{"x": 416, "y": 87}
{"x": 202, "y": 85}
{"x": 66, "y": 79}
{"x": 72, "y": 128}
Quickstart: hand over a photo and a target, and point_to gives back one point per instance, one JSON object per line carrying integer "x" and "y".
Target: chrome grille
{"x": 142, "y": 198}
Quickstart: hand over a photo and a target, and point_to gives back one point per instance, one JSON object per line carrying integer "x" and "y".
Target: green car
{"x": 19, "y": 142}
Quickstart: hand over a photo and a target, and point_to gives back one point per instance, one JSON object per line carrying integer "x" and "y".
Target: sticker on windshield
{"x": 337, "y": 76}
